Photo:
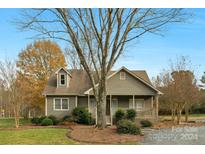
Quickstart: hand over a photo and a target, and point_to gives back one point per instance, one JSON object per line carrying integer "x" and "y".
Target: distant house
{"x": 67, "y": 89}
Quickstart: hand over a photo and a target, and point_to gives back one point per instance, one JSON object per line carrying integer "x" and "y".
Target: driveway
{"x": 175, "y": 136}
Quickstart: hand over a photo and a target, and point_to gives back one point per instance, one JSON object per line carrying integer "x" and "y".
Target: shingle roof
{"x": 80, "y": 82}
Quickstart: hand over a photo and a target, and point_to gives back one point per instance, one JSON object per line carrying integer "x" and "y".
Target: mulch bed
{"x": 91, "y": 134}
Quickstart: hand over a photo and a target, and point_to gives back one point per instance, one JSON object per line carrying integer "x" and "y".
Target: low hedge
{"x": 35, "y": 120}
{"x": 119, "y": 115}
{"x": 67, "y": 118}
{"x": 127, "y": 127}
{"x": 82, "y": 116}
{"x": 146, "y": 123}
{"x": 54, "y": 119}
{"x": 39, "y": 120}
{"x": 46, "y": 122}
{"x": 131, "y": 114}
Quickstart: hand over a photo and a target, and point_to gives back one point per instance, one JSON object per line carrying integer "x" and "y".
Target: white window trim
{"x": 136, "y": 105}
{"x": 61, "y": 109}
{"x": 64, "y": 79}
{"x": 122, "y": 76}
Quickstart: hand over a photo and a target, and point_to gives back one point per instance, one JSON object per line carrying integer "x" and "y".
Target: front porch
{"x": 145, "y": 106}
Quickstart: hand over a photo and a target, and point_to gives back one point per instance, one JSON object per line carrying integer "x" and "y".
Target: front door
{"x": 108, "y": 108}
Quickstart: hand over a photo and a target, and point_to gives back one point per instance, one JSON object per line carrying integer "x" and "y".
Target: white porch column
{"x": 152, "y": 106}
{"x": 96, "y": 116}
{"x": 88, "y": 102}
{"x": 157, "y": 106}
{"x": 76, "y": 101}
{"x": 46, "y": 112}
{"x": 111, "y": 109}
{"x": 133, "y": 101}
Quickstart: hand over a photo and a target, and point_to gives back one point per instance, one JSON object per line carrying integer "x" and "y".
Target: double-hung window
{"x": 61, "y": 104}
{"x": 139, "y": 104}
{"x": 62, "y": 79}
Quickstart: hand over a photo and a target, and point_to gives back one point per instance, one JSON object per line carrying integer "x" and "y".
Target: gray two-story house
{"x": 67, "y": 89}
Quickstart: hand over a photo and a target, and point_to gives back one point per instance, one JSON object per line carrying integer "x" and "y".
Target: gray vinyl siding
{"x": 83, "y": 102}
{"x": 59, "y": 114}
{"x": 129, "y": 86}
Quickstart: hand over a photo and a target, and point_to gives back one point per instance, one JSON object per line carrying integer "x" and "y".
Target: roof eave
{"x": 64, "y": 70}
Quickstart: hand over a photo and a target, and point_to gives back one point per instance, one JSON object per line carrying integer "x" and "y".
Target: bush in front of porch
{"x": 131, "y": 114}
{"x": 127, "y": 127}
{"x": 125, "y": 122}
{"x": 82, "y": 116}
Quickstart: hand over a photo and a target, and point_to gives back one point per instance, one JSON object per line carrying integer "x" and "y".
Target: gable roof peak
{"x": 64, "y": 70}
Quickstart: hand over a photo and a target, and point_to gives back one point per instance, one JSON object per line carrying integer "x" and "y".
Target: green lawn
{"x": 35, "y": 136}
{"x": 31, "y": 136}
{"x": 10, "y": 123}
{"x": 197, "y": 115}
{"x": 191, "y": 117}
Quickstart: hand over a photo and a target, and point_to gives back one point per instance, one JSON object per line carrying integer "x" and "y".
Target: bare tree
{"x": 72, "y": 59}
{"x": 105, "y": 34}
{"x": 2, "y": 89}
{"x": 179, "y": 87}
{"x": 164, "y": 82}
{"x": 8, "y": 75}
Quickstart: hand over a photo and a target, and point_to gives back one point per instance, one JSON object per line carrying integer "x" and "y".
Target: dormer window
{"x": 122, "y": 76}
{"x": 62, "y": 79}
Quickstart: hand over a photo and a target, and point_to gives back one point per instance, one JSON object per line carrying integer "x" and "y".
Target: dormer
{"x": 63, "y": 78}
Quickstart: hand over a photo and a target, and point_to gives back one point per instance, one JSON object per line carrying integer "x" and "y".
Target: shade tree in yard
{"x": 98, "y": 36}
{"x": 8, "y": 74}
{"x": 35, "y": 65}
{"x": 179, "y": 87}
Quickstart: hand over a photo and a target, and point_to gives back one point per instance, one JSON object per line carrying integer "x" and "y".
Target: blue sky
{"x": 150, "y": 53}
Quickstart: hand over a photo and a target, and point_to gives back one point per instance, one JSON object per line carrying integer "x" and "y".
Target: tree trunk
{"x": 179, "y": 116}
{"x": 16, "y": 116}
{"x": 101, "y": 104}
{"x": 186, "y": 113}
{"x": 173, "y": 115}
{"x": 29, "y": 113}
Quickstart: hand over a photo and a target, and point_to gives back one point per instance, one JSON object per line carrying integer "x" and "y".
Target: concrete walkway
{"x": 175, "y": 136}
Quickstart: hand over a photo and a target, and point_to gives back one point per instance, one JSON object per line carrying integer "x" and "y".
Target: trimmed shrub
{"x": 119, "y": 115}
{"x": 54, "y": 119}
{"x": 82, "y": 116}
{"x": 146, "y": 123}
{"x": 67, "y": 118}
{"x": 131, "y": 114}
{"x": 42, "y": 118}
{"x": 91, "y": 121}
{"x": 127, "y": 127}
{"x": 36, "y": 121}
{"x": 134, "y": 129}
{"x": 46, "y": 122}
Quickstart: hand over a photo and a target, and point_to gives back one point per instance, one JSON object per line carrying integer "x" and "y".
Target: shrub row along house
{"x": 67, "y": 89}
